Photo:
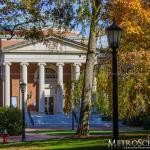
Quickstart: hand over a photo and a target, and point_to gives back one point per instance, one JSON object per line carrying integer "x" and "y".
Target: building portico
{"x": 44, "y": 71}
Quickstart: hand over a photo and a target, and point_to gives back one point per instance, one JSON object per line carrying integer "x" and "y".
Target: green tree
{"x": 73, "y": 93}
{"x": 90, "y": 9}
{"x": 65, "y": 15}
{"x": 103, "y": 93}
{"x": 59, "y": 14}
{"x": 133, "y": 96}
{"x": 67, "y": 109}
{"x": 133, "y": 56}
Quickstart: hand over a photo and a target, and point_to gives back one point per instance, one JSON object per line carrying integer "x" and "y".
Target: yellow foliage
{"x": 131, "y": 15}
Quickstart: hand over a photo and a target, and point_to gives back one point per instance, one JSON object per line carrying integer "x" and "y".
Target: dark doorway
{"x": 49, "y": 105}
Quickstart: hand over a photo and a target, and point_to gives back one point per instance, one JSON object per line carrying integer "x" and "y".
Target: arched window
{"x": 50, "y": 75}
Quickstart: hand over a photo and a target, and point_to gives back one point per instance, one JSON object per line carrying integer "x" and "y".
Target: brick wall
{"x": 1, "y": 89}
{"x": 15, "y": 81}
{"x": 32, "y": 88}
{"x": 6, "y": 43}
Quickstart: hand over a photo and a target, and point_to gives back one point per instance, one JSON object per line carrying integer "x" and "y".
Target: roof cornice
{"x": 58, "y": 38}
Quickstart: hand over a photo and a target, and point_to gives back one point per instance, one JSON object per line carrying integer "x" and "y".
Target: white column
{"x": 60, "y": 87}
{"x": 25, "y": 80}
{"x": 41, "y": 87}
{"x": 76, "y": 71}
{"x": 94, "y": 79}
{"x": 94, "y": 84}
{"x": 75, "y": 76}
{"x": 7, "y": 84}
{"x": 3, "y": 78}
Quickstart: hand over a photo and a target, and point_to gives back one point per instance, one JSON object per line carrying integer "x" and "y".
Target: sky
{"x": 102, "y": 41}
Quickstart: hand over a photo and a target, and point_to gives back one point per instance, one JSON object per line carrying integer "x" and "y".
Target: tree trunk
{"x": 83, "y": 126}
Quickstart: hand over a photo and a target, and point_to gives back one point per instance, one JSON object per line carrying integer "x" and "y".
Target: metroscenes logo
{"x": 130, "y": 144}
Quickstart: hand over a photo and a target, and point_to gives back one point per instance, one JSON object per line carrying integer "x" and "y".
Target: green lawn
{"x": 71, "y": 143}
{"x": 107, "y": 133}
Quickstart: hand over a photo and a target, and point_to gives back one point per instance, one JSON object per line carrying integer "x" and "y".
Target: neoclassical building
{"x": 43, "y": 67}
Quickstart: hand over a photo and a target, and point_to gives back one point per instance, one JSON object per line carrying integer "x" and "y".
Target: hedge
{"x": 11, "y": 120}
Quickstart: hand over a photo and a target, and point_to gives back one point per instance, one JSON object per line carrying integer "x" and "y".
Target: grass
{"x": 63, "y": 144}
{"x": 71, "y": 143}
{"x": 68, "y": 132}
{"x": 125, "y": 134}
{"x": 92, "y": 132}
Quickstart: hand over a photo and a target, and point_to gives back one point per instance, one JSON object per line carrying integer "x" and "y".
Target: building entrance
{"x": 49, "y": 105}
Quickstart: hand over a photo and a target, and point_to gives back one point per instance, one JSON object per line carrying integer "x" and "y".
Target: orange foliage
{"x": 131, "y": 15}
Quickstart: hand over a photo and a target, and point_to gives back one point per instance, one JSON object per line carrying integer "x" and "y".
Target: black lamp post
{"x": 23, "y": 87}
{"x": 114, "y": 36}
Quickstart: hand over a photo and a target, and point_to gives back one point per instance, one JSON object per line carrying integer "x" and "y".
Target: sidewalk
{"x": 91, "y": 128}
{"x": 30, "y": 136}
{"x": 34, "y": 137}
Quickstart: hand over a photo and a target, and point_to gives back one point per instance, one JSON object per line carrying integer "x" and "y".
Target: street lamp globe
{"x": 113, "y": 35}
{"x": 22, "y": 87}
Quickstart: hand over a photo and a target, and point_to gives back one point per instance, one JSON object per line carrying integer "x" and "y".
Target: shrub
{"x": 106, "y": 118}
{"x": 134, "y": 121}
{"x": 10, "y": 119}
{"x": 142, "y": 120}
{"x": 146, "y": 123}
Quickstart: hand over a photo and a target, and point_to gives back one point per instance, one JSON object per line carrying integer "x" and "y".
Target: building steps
{"x": 42, "y": 120}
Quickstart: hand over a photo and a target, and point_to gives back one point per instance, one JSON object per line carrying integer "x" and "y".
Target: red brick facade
{"x": 33, "y": 83}
{"x": 32, "y": 87}
{"x": 1, "y": 87}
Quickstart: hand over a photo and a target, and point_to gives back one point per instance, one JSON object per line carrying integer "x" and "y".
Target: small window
{"x": 14, "y": 101}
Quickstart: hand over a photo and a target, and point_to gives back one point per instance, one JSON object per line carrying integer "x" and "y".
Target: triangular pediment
{"x": 56, "y": 45}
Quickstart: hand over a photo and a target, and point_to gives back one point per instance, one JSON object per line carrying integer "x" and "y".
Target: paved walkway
{"x": 30, "y": 136}
{"x": 91, "y": 128}
{"x": 34, "y": 137}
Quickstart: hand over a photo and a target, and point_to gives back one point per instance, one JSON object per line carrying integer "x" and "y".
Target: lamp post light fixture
{"x": 114, "y": 35}
{"x": 23, "y": 88}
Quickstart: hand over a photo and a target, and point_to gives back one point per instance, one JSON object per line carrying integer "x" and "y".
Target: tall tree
{"x": 133, "y": 65}
{"x": 95, "y": 7}
{"x": 134, "y": 17}
{"x": 60, "y": 14}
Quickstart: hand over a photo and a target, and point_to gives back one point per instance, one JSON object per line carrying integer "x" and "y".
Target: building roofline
{"x": 64, "y": 39}
{"x": 54, "y": 37}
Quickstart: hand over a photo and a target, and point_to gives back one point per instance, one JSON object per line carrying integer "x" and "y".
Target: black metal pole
{"x": 23, "y": 118}
{"x": 72, "y": 119}
{"x": 115, "y": 96}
